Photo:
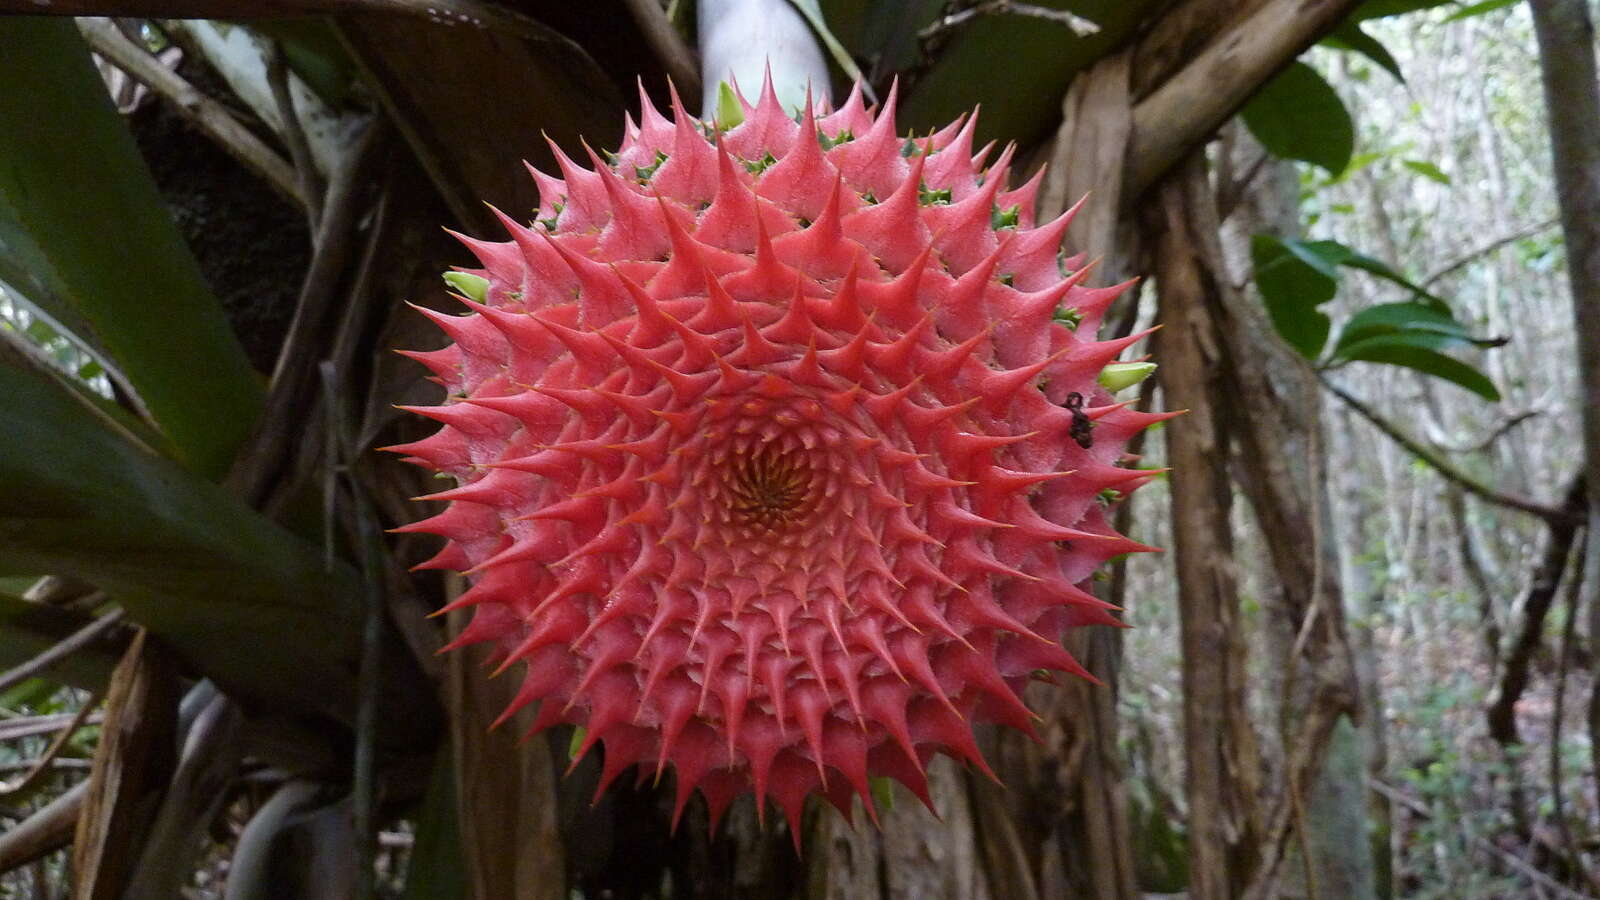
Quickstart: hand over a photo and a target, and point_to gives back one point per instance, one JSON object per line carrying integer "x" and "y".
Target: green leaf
{"x": 1298, "y": 115}
{"x": 841, "y": 56}
{"x": 240, "y": 598}
{"x": 1478, "y": 9}
{"x": 1377, "y": 9}
{"x": 102, "y": 257}
{"x": 1414, "y": 318}
{"x": 1295, "y": 279}
{"x": 1387, "y": 272}
{"x": 1015, "y": 66}
{"x": 1427, "y": 169}
{"x": 1349, "y": 36}
{"x": 1418, "y": 350}
{"x": 883, "y": 32}
{"x": 437, "y": 869}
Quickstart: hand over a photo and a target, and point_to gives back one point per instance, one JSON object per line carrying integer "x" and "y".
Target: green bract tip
{"x": 729, "y": 113}
{"x": 473, "y": 287}
{"x": 1119, "y": 376}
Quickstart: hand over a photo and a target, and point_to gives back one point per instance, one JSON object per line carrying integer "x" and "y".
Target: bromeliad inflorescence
{"x": 774, "y": 451}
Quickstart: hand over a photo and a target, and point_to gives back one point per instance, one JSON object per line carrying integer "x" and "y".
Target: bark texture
{"x": 1225, "y": 826}
{"x": 1572, "y": 103}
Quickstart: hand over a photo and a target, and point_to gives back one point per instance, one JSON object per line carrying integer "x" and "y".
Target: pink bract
{"x": 766, "y": 465}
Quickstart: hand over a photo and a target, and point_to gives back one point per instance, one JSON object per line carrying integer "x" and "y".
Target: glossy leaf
{"x": 1416, "y": 318}
{"x": 1298, "y": 115}
{"x": 1419, "y": 351}
{"x": 1294, "y": 280}
{"x": 1378, "y": 267}
{"x": 1349, "y": 36}
{"x": 80, "y": 214}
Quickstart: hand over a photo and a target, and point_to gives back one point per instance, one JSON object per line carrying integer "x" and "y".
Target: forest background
{"x": 1366, "y": 667}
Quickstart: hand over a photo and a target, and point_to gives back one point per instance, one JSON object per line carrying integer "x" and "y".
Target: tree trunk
{"x": 1572, "y": 101}
{"x": 1277, "y": 415}
{"x": 1222, "y": 779}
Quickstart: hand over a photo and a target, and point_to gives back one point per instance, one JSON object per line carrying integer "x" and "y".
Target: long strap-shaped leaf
{"x": 240, "y": 598}
{"x": 84, "y": 233}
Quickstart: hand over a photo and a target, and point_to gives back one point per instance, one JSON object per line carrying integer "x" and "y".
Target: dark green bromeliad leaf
{"x": 238, "y": 596}
{"x": 85, "y": 236}
{"x": 1017, "y": 67}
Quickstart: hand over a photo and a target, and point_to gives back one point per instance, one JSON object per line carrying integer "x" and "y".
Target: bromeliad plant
{"x": 781, "y": 452}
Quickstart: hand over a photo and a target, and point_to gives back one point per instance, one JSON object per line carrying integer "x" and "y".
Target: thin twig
{"x": 1475, "y": 254}
{"x": 1078, "y": 25}
{"x": 294, "y": 136}
{"x": 210, "y": 116}
{"x": 69, "y": 645}
{"x": 680, "y": 59}
{"x": 1483, "y": 444}
{"x": 1510, "y": 859}
{"x": 1443, "y": 467}
{"x": 59, "y": 764}
{"x": 45, "y": 762}
{"x": 33, "y": 726}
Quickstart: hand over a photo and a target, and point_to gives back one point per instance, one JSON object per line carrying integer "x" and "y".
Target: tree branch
{"x": 1478, "y": 253}
{"x": 43, "y": 764}
{"x": 1439, "y": 464}
{"x": 79, "y": 639}
{"x": 207, "y": 114}
{"x": 1198, "y": 99}
{"x": 294, "y": 136}
{"x": 1533, "y": 607}
{"x": 477, "y": 13}
{"x": 46, "y": 831}
{"x": 1078, "y": 25}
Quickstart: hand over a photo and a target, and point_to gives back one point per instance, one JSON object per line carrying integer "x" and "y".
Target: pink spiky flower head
{"x": 780, "y": 449}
